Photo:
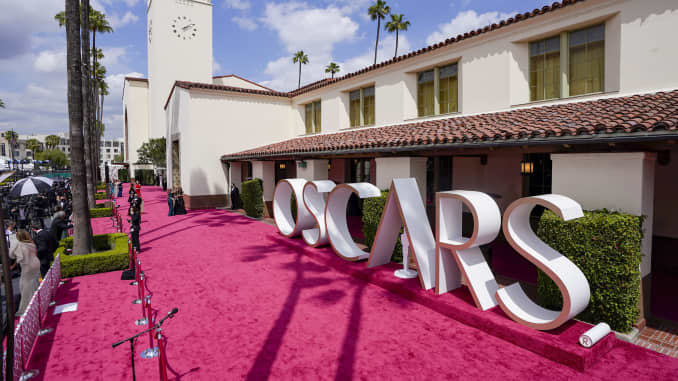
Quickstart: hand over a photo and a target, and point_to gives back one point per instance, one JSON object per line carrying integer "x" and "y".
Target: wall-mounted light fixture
{"x": 281, "y": 165}
{"x": 526, "y": 168}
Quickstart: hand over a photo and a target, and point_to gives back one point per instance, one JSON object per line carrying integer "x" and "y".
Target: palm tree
{"x": 378, "y": 11}
{"x": 301, "y": 58}
{"x": 82, "y": 239}
{"x": 397, "y": 24}
{"x": 52, "y": 141}
{"x": 2, "y": 104}
{"x": 11, "y": 138}
{"x": 332, "y": 68}
{"x": 34, "y": 146}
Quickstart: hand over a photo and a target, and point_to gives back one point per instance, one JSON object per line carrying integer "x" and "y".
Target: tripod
{"x": 131, "y": 339}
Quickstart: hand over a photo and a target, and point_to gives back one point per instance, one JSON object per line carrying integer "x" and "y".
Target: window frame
{"x": 361, "y": 118}
{"x": 565, "y": 77}
{"x": 315, "y": 117}
{"x": 436, "y": 109}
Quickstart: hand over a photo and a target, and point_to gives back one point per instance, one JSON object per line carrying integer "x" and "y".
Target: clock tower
{"x": 179, "y": 49}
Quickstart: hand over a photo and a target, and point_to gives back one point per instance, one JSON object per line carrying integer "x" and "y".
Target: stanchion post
{"x": 149, "y": 319}
{"x": 162, "y": 363}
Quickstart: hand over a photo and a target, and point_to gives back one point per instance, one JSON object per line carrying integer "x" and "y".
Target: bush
{"x": 372, "y": 210}
{"x": 100, "y": 196}
{"x": 144, "y": 176}
{"x": 606, "y": 247}
{"x": 100, "y": 212}
{"x": 123, "y": 175}
{"x": 111, "y": 255}
{"x": 253, "y": 197}
{"x": 101, "y": 186}
{"x": 106, "y": 204}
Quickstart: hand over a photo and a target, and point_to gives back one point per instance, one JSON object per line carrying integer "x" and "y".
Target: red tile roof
{"x": 632, "y": 116}
{"x": 211, "y": 86}
{"x": 136, "y": 79}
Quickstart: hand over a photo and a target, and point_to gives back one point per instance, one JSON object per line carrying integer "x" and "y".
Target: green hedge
{"x": 111, "y": 255}
{"x": 606, "y": 247}
{"x": 100, "y": 196}
{"x": 101, "y": 186}
{"x": 372, "y": 209}
{"x": 100, "y": 212}
{"x": 253, "y": 197}
{"x": 123, "y": 175}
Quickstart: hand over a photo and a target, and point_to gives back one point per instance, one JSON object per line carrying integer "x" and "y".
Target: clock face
{"x": 183, "y": 28}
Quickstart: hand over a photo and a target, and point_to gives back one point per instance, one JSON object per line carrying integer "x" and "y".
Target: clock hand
{"x": 187, "y": 26}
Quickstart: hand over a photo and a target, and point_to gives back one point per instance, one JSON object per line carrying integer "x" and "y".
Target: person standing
{"x": 179, "y": 207}
{"x": 25, "y": 253}
{"x": 119, "y": 188}
{"x": 112, "y": 186}
{"x": 170, "y": 202}
{"x": 135, "y": 226}
{"x": 59, "y": 225}
{"x": 46, "y": 245}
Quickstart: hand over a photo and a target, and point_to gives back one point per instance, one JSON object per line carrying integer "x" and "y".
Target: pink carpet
{"x": 255, "y": 305}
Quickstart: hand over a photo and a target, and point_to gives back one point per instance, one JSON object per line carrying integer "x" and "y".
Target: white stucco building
{"x": 579, "y": 98}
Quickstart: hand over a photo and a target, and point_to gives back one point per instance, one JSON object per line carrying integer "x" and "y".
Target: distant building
{"x": 109, "y": 147}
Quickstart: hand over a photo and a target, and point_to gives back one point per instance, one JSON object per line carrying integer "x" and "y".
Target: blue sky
{"x": 252, "y": 38}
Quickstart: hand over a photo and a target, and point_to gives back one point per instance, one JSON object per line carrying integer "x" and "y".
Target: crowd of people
{"x": 175, "y": 201}
{"x": 32, "y": 236}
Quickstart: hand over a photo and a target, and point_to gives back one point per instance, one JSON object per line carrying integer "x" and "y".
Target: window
{"x": 437, "y": 91}
{"x": 425, "y": 98}
{"x": 312, "y": 117}
{"x": 587, "y": 60}
{"x": 361, "y": 107}
{"x": 447, "y": 93}
{"x": 545, "y": 69}
{"x": 577, "y": 70}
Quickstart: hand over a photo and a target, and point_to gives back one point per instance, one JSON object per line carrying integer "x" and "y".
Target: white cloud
{"x": 385, "y": 52}
{"x": 465, "y": 22}
{"x": 113, "y": 56}
{"x": 50, "y": 61}
{"x": 293, "y": 21}
{"x": 238, "y": 4}
{"x": 245, "y": 23}
{"x": 216, "y": 66}
{"x": 118, "y": 22}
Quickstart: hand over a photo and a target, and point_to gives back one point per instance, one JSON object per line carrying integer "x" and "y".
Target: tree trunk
{"x": 376, "y": 45}
{"x": 86, "y": 101}
{"x": 299, "y": 84}
{"x": 396, "y": 51}
{"x": 82, "y": 240}
{"x": 7, "y": 277}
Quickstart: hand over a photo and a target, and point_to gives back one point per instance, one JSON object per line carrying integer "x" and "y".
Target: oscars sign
{"x": 444, "y": 259}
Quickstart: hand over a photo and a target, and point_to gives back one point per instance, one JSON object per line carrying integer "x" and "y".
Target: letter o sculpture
{"x": 571, "y": 281}
{"x": 335, "y": 218}
{"x": 282, "y": 208}
{"x": 315, "y": 203}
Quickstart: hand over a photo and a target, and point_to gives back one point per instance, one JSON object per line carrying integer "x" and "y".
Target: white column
{"x": 265, "y": 170}
{"x": 312, "y": 169}
{"x": 614, "y": 181}
{"x": 389, "y": 168}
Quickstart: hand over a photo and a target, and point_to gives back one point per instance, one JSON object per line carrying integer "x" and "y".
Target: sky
{"x": 254, "y": 39}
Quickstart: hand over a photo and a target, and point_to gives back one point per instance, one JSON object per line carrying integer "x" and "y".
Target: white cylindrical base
{"x": 405, "y": 272}
{"x": 594, "y": 335}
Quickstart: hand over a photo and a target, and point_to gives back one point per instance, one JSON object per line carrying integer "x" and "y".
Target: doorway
{"x": 176, "y": 165}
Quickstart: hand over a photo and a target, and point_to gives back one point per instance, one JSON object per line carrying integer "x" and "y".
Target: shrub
{"x": 144, "y": 176}
{"x": 253, "y": 197}
{"x": 372, "y": 210}
{"x": 123, "y": 175}
{"x": 100, "y": 212}
{"x": 101, "y": 186}
{"x": 606, "y": 247}
{"x": 111, "y": 255}
{"x": 100, "y": 196}
{"x": 106, "y": 204}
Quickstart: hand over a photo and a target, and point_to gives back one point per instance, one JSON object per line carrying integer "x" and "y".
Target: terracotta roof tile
{"x": 632, "y": 114}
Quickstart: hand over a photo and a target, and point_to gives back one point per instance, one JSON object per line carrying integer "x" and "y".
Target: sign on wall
{"x": 448, "y": 256}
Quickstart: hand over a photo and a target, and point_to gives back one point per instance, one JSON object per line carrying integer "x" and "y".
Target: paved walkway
{"x": 252, "y": 307}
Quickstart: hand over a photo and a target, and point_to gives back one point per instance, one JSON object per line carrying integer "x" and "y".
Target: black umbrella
{"x": 30, "y": 185}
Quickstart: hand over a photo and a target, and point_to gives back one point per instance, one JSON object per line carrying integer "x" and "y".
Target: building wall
{"x": 500, "y": 177}
{"x": 494, "y": 67}
{"x": 224, "y": 122}
{"x": 135, "y": 115}
{"x": 171, "y": 58}
{"x": 234, "y": 81}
